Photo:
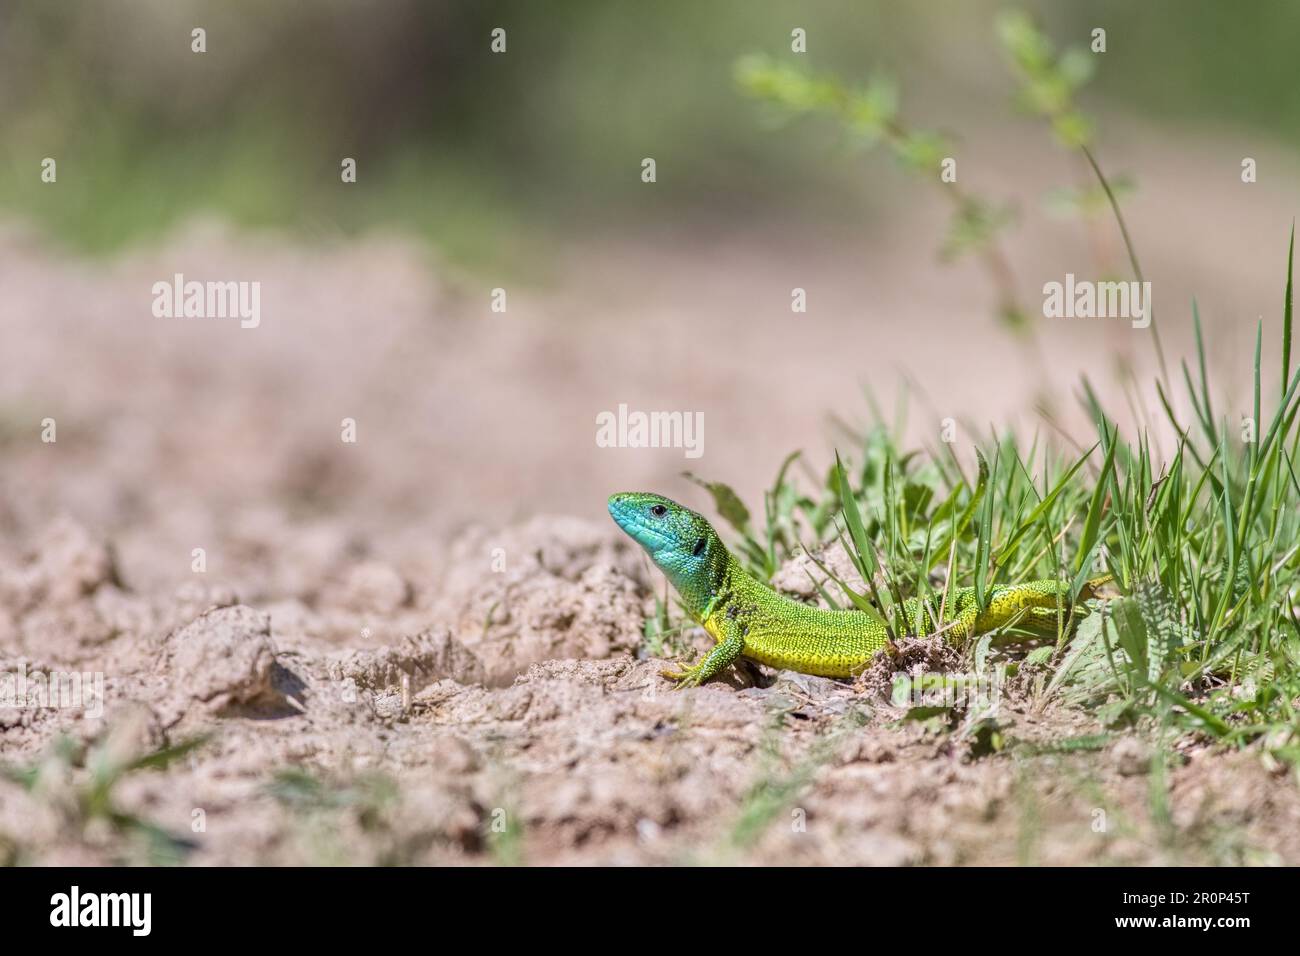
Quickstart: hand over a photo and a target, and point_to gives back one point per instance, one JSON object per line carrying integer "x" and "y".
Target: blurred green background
{"x": 491, "y": 156}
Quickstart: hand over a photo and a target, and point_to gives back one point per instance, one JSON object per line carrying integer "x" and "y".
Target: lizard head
{"x": 682, "y": 543}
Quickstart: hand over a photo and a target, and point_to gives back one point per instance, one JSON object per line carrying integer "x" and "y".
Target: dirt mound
{"x": 550, "y": 588}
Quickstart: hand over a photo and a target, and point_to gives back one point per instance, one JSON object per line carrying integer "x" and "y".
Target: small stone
{"x": 374, "y": 588}
{"x": 1132, "y": 757}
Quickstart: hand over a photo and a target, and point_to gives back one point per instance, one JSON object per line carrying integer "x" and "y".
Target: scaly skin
{"x": 749, "y": 619}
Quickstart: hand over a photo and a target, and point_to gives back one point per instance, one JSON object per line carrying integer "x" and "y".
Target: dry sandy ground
{"x": 505, "y": 718}
{"x": 398, "y": 653}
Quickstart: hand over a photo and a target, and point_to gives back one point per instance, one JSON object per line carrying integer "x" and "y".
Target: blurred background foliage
{"x": 486, "y": 155}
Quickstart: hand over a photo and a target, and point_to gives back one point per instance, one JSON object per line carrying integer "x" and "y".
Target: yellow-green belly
{"x": 811, "y": 640}
{"x": 792, "y": 636}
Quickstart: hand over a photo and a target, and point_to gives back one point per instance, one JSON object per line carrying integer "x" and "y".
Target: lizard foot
{"x": 686, "y": 677}
{"x": 692, "y": 678}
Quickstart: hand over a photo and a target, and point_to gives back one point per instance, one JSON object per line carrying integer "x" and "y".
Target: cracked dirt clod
{"x": 912, "y": 655}
{"x": 375, "y": 588}
{"x": 67, "y": 563}
{"x": 48, "y": 598}
{"x": 568, "y": 589}
{"x": 425, "y": 658}
{"x": 222, "y": 659}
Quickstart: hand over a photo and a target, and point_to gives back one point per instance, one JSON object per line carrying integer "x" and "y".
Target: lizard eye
{"x": 659, "y": 511}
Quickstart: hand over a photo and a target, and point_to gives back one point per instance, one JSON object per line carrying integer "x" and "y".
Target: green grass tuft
{"x": 1204, "y": 547}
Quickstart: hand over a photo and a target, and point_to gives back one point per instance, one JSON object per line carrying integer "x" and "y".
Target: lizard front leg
{"x": 724, "y": 652}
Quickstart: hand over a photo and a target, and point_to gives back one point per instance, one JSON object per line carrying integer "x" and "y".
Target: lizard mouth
{"x": 630, "y": 519}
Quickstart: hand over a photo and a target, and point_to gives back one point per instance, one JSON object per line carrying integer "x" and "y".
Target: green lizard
{"x": 749, "y": 619}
